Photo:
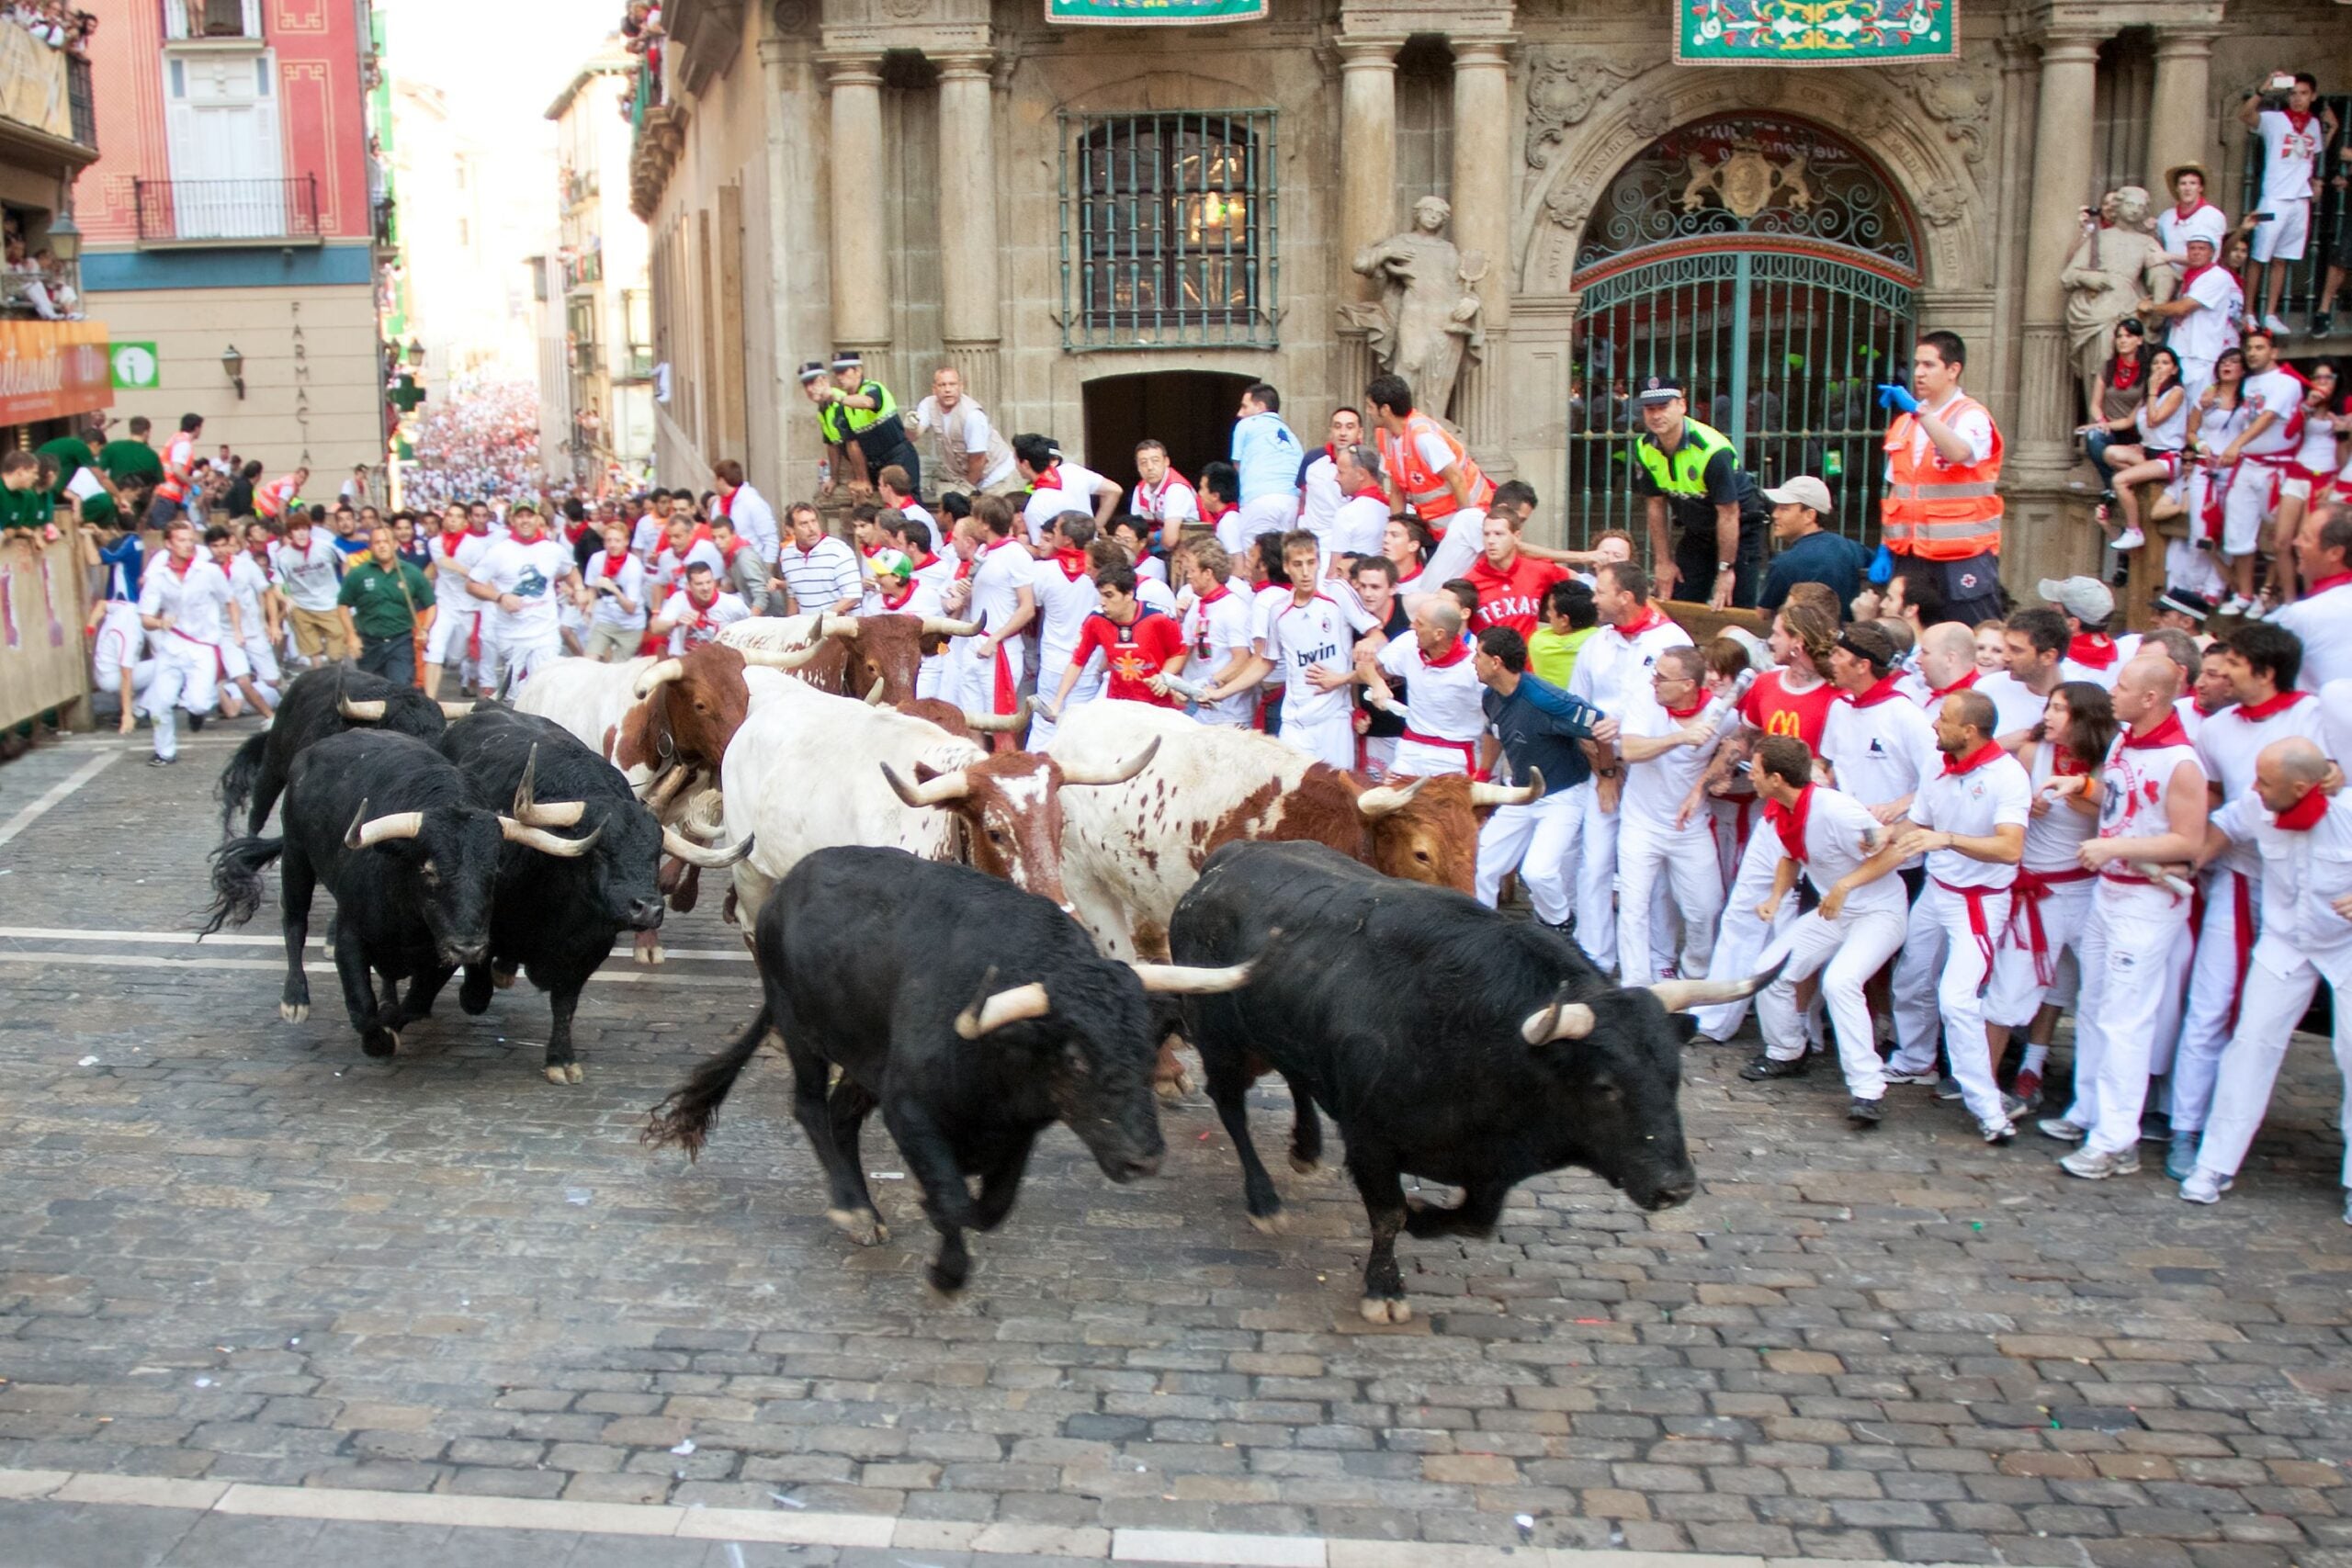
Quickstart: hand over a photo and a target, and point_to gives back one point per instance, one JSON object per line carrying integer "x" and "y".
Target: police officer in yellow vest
{"x": 859, "y": 420}
{"x": 1691, "y": 470}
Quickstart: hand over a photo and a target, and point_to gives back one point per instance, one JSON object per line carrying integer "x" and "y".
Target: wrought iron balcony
{"x": 223, "y": 211}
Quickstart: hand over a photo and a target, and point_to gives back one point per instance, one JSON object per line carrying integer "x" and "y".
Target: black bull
{"x": 323, "y": 702}
{"x": 1446, "y": 1043}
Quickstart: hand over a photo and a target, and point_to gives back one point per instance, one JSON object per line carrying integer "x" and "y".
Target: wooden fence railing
{"x": 43, "y": 660}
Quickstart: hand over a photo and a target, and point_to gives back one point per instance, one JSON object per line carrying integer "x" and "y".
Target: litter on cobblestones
{"x": 887, "y": 1175}
{"x": 206, "y": 1382}
{"x": 685, "y": 1446}
{"x": 578, "y": 1196}
{"x": 88, "y": 1062}
{"x": 788, "y": 1502}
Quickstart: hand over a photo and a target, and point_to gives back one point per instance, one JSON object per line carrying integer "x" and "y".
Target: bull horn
{"x": 947, "y": 786}
{"x": 455, "y": 710}
{"x": 710, "y": 859}
{"x": 1378, "y": 803}
{"x": 1563, "y": 1019}
{"x": 548, "y": 843}
{"x": 1509, "y": 795}
{"x": 371, "y": 711}
{"x": 1004, "y": 723}
{"x": 829, "y": 625}
{"x": 657, "y": 675}
{"x": 780, "y": 658}
{"x": 874, "y": 697}
{"x": 1192, "y": 979}
{"x": 1681, "y": 996}
{"x": 528, "y": 810}
{"x": 1117, "y": 772}
{"x": 694, "y": 821}
{"x": 365, "y": 832}
{"x": 943, "y": 625}
{"x": 663, "y": 784}
{"x": 994, "y": 1010}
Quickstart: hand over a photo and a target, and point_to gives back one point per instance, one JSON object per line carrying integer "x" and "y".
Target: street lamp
{"x": 234, "y": 364}
{"x": 65, "y": 239}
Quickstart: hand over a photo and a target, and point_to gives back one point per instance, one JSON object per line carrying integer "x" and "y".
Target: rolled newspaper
{"x": 2162, "y": 878}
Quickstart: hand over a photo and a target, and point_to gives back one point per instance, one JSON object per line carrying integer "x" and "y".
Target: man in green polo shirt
{"x": 71, "y": 454}
{"x": 131, "y": 460}
{"x": 386, "y": 605}
{"x": 1691, "y": 473}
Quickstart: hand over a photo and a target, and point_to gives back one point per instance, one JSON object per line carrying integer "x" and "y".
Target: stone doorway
{"x": 1188, "y": 412}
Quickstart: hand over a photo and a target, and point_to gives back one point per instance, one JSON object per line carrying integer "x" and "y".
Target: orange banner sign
{"x": 52, "y": 370}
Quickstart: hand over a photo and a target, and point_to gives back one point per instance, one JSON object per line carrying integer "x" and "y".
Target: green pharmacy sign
{"x": 1154, "y": 13}
{"x": 1814, "y": 33}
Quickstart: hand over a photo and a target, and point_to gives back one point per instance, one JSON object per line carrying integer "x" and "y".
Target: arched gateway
{"x": 1771, "y": 265}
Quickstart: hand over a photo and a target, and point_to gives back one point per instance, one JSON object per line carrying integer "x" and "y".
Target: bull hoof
{"x": 564, "y": 1073}
{"x": 380, "y": 1042}
{"x": 574, "y": 1073}
{"x": 1303, "y": 1166}
{"x": 1275, "y": 1224}
{"x": 293, "y": 1012}
{"x": 1173, "y": 1091}
{"x": 502, "y": 979}
{"x": 651, "y": 953}
{"x": 1378, "y": 1309}
{"x": 863, "y": 1226}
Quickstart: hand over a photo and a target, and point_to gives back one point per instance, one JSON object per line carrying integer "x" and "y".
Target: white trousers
{"x": 1940, "y": 979}
{"x": 1653, "y": 863}
{"x": 1845, "y": 952}
{"x": 1330, "y": 739}
{"x": 2016, "y": 990}
{"x": 263, "y": 660}
{"x": 1743, "y": 939}
{"x": 108, "y": 677}
{"x": 179, "y": 683}
{"x": 1415, "y": 760}
{"x": 1379, "y": 755}
{"x": 1049, "y": 681}
{"x": 445, "y": 640}
{"x": 2279, "y": 989}
{"x": 1536, "y": 841}
{"x": 2124, "y": 946}
{"x": 505, "y": 667}
{"x": 2216, "y": 979}
{"x": 1596, "y": 877}
{"x": 2244, "y": 506}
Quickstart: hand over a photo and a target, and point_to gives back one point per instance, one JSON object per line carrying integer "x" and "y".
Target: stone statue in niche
{"x": 1426, "y": 322}
{"x": 2119, "y": 262}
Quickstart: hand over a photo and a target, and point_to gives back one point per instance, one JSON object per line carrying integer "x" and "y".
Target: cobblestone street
{"x": 238, "y": 1251}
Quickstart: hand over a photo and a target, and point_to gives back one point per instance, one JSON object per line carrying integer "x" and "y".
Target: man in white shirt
{"x": 1878, "y": 745}
{"x": 971, "y": 457}
{"x": 753, "y": 518}
{"x": 2035, "y": 643}
{"x": 309, "y": 572}
{"x": 1311, "y": 636}
{"x": 1665, "y": 841}
{"x": 652, "y": 525}
{"x": 2204, "y": 313}
{"x": 2151, "y": 819}
{"x": 245, "y": 658}
{"x": 1969, "y": 820}
{"x": 2292, "y": 138}
{"x": 2322, "y": 616}
{"x": 1320, "y": 491}
{"x": 693, "y": 615}
{"x": 2304, "y": 838}
{"x": 183, "y": 601}
{"x": 686, "y": 545}
{"x": 1163, "y": 497}
{"x": 1218, "y": 629}
{"x": 1444, "y": 710}
{"x": 517, "y": 575}
{"x": 2255, "y": 461}
{"x": 614, "y": 586}
{"x": 1612, "y": 672}
{"x": 1003, "y": 599}
{"x": 819, "y": 570}
{"x": 1859, "y": 923}
{"x": 896, "y": 487}
{"x": 1360, "y": 521}
{"x": 1064, "y": 584}
{"x": 1057, "y": 485}
{"x": 456, "y": 631}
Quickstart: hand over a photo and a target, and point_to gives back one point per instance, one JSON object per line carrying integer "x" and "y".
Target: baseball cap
{"x": 2207, "y": 225}
{"x": 893, "y": 563}
{"x": 2085, "y": 598}
{"x": 1657, "y": 389}
{"x": 812, "y": 370}
{"x": 846, "y": 359}
{"x": 2181, "y": 602}
{"x": 1803, "y": 491}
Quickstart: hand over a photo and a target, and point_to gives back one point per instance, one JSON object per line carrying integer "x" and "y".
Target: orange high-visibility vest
{"x": 1429, "y": 495}
{"x": 1938, "y": 510}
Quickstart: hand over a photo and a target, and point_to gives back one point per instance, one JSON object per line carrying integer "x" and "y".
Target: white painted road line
{"x": 272, "y": 965}
{"x": 258, "y": 939}
{"x": 57, "y": 793}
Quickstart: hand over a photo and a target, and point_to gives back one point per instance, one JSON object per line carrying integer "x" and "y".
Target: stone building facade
{"x": 1056, "y": 210}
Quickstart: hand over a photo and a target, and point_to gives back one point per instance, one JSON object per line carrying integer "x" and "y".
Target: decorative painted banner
{"x": 52, "y": 370}
{"x": 1814, "y": 33}
{"x": 1154, "y": 13}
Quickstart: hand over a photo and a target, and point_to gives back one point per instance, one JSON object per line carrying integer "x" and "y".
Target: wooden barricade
{"x": 43, "y": 665}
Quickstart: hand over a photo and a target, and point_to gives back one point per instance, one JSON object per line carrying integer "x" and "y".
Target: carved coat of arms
{"x": 1745, "y": 182}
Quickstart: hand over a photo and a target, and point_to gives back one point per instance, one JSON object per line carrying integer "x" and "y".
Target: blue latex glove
{"x": 1892, "y": 395}
{"x": 1883, "y": 566}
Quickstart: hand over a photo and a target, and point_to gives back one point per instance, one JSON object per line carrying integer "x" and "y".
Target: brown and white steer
{"x": 810, "y": 771}
{"x": 852, "y": 654}
{"x": 1130, "y": 853}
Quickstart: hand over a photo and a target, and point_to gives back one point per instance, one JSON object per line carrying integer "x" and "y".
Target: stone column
{"x": 1367, "y": 153}
{"x": 2062, "y": 180}
{"x": 969, "y": 327}
{"x": 861, "y": 297}
{"x": 2180, "y": 121}
{"x": 1482, "y": 176}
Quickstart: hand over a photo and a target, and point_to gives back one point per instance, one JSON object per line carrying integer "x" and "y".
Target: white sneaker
{"x": 2235, "y": 604}
{"x": 2275, "y": 324}
{"x": 2058, "y": 1127}
{"x": 2000, "y": 1130}
{"x": 2093, "y": 1165}
{"x": 2204, "y": 1186}
{"x": 2129, "y": 540}
{"x": 1924, "y": 1076}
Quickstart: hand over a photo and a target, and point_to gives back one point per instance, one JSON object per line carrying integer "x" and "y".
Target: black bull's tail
{"x": 238, "y": 779}
{"x": 237, "y": 866}
{"x": 684, "y": 1119}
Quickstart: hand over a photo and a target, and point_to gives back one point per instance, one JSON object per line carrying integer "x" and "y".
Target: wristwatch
{"x": 1723, "y": 566}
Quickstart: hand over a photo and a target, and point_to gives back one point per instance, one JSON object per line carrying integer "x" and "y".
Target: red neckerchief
{"x": 890, "y": 600}
{"x": 1885, "y": 689}
{"x": 701, "y": 536}
{"x": 1372, "y": 491}
{"x": 702, "y": 610}
{"x": 1684, "y": 715}
{"x": 2255, "y": 713}
{"x": 1072, "y": 563}
{"x": 2299, "y": 120}
{"x": 1789, "y": 822}
{"x": 2334, "y": 580}
{"x": 1937, "y": 694}
{"x": 964, "y": 570}
{"x": 2094, "y": 651}
{"x": 2304, "y": 815}
{"x": 869, "y": 552}
{"x": 2190, "y": 274}
{"x": 2204, "y": 712}
{"x": 614, "y": 563}
{"x": 1990, "y": 752}
{"x": 2184, "y": 213}
{"x": 726, "y": 503}
{"x": 728, "y": 552}
{"x": 2065, "y": 764}
{"x": 1207, "y": 515}
{"x": 1332, "y": 452}
{"x": 928, "y": 558}
{"x": 2169, "y": 733}
{"x": 2123, "y": 377}
{"x": 179, "y": 565}
{"x": 1461, "y": 651}
{"x": 1650, "y": 619}
{"x": 1050, "y": 479}
{"x": 1213, "y": 596}
{"x": 449, "y": 542}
